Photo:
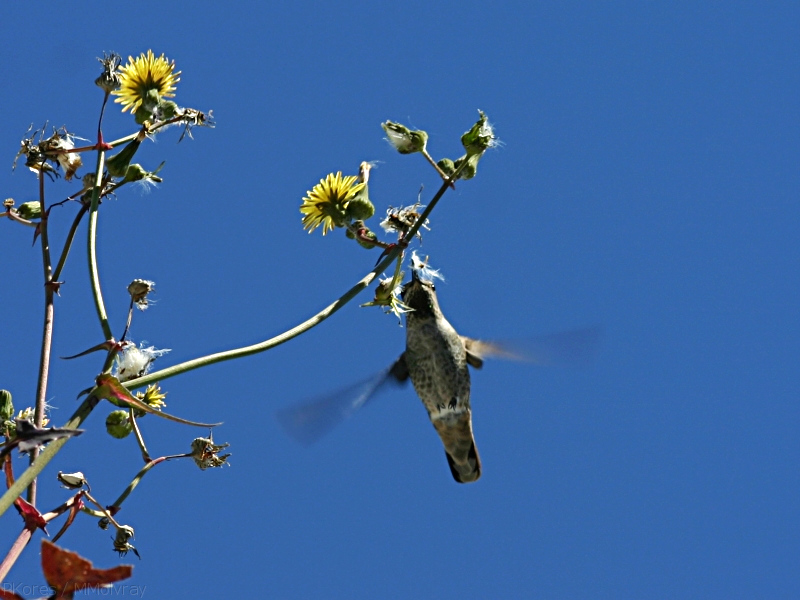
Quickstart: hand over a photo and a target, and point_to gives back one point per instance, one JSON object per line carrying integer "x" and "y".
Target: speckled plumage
{"x": 436, "y": 360}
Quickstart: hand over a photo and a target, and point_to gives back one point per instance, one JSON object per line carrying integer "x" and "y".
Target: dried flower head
{"x": 205, "y": 453}
{"x": 138, "y": 289}
{"x": 145, "y": 80}
{"x": 133, "y": 361}
{"x": 122, "y": 541}
{"x": 109, "y": 79}
{"x": 326, "y": 202}
{"x": 422, "y": 268}
{"x": 55, "y": 149}
{"x": 402, "y": 219}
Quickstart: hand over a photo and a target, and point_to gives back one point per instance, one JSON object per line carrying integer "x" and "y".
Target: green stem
{"x": 24, "y": 480}
{"x": 85, "y": 409}
{"x": 47, "y": 327}
{"x": 68, "y": 244}
{"x": 326, "y": 312}
{"x": 92, "y": 242}
{"x": 132, "y": 485}
{"x": 441, "y": 173}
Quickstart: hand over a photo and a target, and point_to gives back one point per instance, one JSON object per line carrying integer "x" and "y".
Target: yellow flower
{"x": 142, "y": 77}
{"x": 326, "y": 202}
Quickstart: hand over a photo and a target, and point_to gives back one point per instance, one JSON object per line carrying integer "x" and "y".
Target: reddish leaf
{"x": 68, "y": 572}
{"x": 9, "y": 595}
{"x": 32, "y": 517}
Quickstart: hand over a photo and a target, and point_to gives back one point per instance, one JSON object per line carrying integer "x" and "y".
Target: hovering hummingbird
{"x": 436, "y": 359}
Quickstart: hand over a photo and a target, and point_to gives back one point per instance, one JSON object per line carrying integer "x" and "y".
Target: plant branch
{"x": 47, "y": 328}
{"x": 326, "y": 312}
{"x": 92, "y": 243}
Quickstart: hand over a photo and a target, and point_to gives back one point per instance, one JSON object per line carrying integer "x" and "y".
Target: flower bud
{"x": 6, "y": 406}
{"x": 135, "y": 172}
{"x": 72, "y": 481}
{"x": 117, "y": 165}
{"x": 404, "y": 140}
{"x": 30, "y": 210}
{"x": 359, "y": 207}
{"x": 479, "y": 138}
{"x": 118, "y": 424}
{"x": 138, "y": 289}
{"x": 447, "y": 166}
{"x": 470, "y": 169}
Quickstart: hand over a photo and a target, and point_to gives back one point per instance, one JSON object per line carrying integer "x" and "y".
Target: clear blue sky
{"x": 648, "y": 184}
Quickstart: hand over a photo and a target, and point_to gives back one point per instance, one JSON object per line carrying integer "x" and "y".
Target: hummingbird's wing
{"x": 309, "y": 421}
{"x": 577, "y": 347}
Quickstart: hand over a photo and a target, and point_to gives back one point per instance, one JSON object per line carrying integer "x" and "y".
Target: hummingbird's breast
{"x": 437, "y": 364}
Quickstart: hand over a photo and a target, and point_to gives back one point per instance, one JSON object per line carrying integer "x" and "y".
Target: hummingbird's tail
{"x": 459, "y": 446}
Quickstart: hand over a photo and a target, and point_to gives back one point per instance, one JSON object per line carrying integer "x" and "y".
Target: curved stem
{"x": 85, "y": 409}
{"x": 92, "y": 243}
{"x": 132, "y": 485}
{"x": 68, "y": 243}
{"x": 326, "y": 312}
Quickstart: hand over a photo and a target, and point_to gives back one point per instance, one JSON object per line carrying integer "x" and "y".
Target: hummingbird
{"x": 436, "y": 359}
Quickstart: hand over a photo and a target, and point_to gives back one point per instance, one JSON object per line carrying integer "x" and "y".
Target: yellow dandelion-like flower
{"x": 325, "y": 204}
{"x": 142, "y": 77}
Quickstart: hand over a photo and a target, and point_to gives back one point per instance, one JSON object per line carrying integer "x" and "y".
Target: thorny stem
{"x": 47, "y": 328}
{"x": 92, "y": 243}
{"x": 326, "y": 312}
{"x": 100, "y": 142}
{"x": 13, "y": 492}
{"x": 85, "y": 409}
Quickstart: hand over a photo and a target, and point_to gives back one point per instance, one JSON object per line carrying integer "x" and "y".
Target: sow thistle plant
{"x": 145, "y": 87}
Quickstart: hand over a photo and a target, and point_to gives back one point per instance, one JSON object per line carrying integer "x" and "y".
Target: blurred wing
{"x": 310, "y": 421}
{"x": 567, "y": 348}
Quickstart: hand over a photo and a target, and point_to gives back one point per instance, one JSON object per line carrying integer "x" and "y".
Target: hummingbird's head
{"x": 420, "y": 296}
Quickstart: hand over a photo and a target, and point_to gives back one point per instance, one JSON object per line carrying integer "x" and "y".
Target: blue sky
{"x": 648, "y": 184}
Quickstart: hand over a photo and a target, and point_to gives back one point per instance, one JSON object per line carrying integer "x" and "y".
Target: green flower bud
{"x": 30, "y": 210}
{"x": 166, "y": 109}
{"x": 6, "y": 406}
{"x": 447, "y": 166}
{"x": 118, "y": 424}
{"x": 404, "y": 140}
{"x": 142, "y": 115}
{"x": 364, "y": 244}
{"x": 117, "y": 165}
{"x": 480, "y": 138}
{"x": 135, "y": 172}
{"x": 360, "y": 208}
{"x": 471, "y": 168}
